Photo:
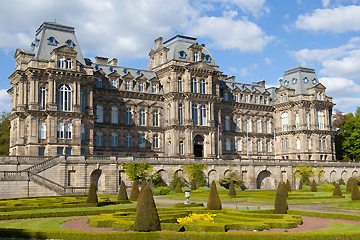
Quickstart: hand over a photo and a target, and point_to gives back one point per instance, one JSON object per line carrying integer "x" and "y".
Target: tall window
{"x": 155, "y": 118}
{"x": 268, "y": 126}
{"x": 194, "y": 114}
{"x": 127, "y": 85}
{"x": 69, "y": 64}
{"x": 227, "y": 123}
{"x": 64, "y": 98}
{"x": 203, "y": 121}
{"x": 42, "y": 98}
{"x": 309, "y": 144}
{"x": 114, "y": 115}
{"x": 42, "y": 130}
{"x": 99, "y": 114}
{"x": 142, "y": 118}
{"x": 82, "y": 132}
{"x": 321, "y": 118}
{"x": 308, "y": 120}
{"x": 269, "y": 147}
{"x": 99, "y": 82}
{"x": 155, "y": 142}
{"x": 238, "y": 145}
{"x": 128, "y": 116}
{"x": 128, "y": 140}
{"x": 284, "y": 121}
{"x": 259, "y": 146}
{"x": 83, "y": 100}
{"x": 114, "y": 139}
{"x": 298, "y": 144}
{"x": 99, "y": 139}
{"x": 194, "y": 85}
{"x": 142, "y": 140}
{"x": 181, "y": 148}
{"x": 249, "y": 145}
{"x": 61, "y": 63}
{"x": 180, "y": 88}
{"x": 196, "y": 56}
{"x": 153, "y": 88}
{"x": 238, "y": 125}
{"x": 227, "y": 144}
{"x": 297, "y": 121}
{"x": 202, "y": 86}
{"x": 60, "y": 130}
{"x": 141, "y": 87}
{"x": 113, "y": 83}
{"x": 249, "y": 125}
{"x": 258, "y": 126}
{"x": 68, "y": 130}
{"x": 180, "y": 113}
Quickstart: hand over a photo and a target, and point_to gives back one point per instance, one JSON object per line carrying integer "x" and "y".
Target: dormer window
{"x": 52, "y": 41}
{"x": 141, "y": 87}
{"x": 69, "y": 64}
{"x": 306, "y": 80}
{"x": 314, "y": 81}
{"x": 294, "y": 80}
{"x": 182, "y": 54}
{"x": 286, "y": 82}
{"x": 70, "y": 43}
{"x": 127, "y": 85}
{"x": 99, "y": 82}
{"x": 61, "y": 63}
{"x": 196, "y": 56}
{"x": 125, "y": 71}
{"x": 207, "y": 58}
{"x": 153, "y": 88}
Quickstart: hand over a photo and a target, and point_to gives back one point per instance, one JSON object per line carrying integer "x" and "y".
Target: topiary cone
{"x": 313, "y": 186}
{"x": 178, "y": 188}
{"x": 355, "y": 193}
{"x": 280, "y": 204}
{"x": 122, "y": 192}
{"x": 134, "y": 191}
{"x": 232, "y": 191}
{"x": 214, "y": 202}
{"x": 193, "y": 184}
{"x": 337, "y": 191}
{"x": 350, "y": 183}
{"x": 288, "y": 186}
{"x": 147, "y": 218}
{"x": 92, "y": 195}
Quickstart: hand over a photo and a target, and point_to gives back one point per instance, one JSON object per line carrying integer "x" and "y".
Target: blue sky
{"x": 251, "y": 39}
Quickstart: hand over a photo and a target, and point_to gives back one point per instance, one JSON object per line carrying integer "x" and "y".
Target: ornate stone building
{"x": 182, "y": 106}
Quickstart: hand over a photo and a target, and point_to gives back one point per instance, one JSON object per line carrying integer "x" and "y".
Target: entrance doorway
{"x": 198, "y": 146}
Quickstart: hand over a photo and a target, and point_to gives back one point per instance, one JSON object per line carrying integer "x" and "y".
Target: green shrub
{"x": 183, "y": 205}
{"x": 337, "y": 191}
{"x": 214, "y": 202}
{"x": 163, "y": 190}
{"x": 194, "y": 184}
{"x": 196, "y": 173}
{"x": 122, "y": 192}
{"x": 341, "y": 181}
{"x": 175, "y": 181}
{"x": 351, "y": 181}
{"x": 232, "y": 191}
{"x": 178, "y": 188}
{"x": 147, "y": 218}
{"x": 313, "y": 186}
{"x": 288, "y": 186}
{"x": 301, "y": 183}
{"x": 158, "y": 181}
{"x": 281, "y": 205}
{"x": 134, "y": 191}
{"x": 231, "y": 177}
{"x": 92, "y": 195}
{"x": 355, "y": 194}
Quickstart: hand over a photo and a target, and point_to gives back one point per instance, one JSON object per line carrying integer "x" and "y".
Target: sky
{"x": 250, "y": 39}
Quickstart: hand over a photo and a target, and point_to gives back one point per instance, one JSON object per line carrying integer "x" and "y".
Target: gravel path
{"x": 81, "y": 224}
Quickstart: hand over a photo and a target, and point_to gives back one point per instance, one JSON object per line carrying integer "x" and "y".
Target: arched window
{"x": 68, "y": 130}
{"x": 142, "y": 119}
{"x": 258, "y": 126}
{"x": 249, "y": 125}
{"x": 321, "y": 120}
{"x": 238, "y": 125}
{"x": 180, "y": 88}
{"x": 181, "y": 148}
{"x": 227, "y": 123}
{"x": 64, "y": 98}
{"x": 284, "y": 121}
{"x": 42, "y": 130}
{"x": 114, "y": 139}
{"x": 194, "y": 114}
{"x": 155, "y": 142}
{"x": 99, "y": 139}
{"x": 142, "y": 140}
{"x": 60, "y": 130}
{"x": 298, "y": 144}
{"x": 128, "y": 116}
{"x": 194, "y": 85}
{"x": 227, "y": 144}
{"x": 99, "y": 114}
{"x": 180, "y": 113}
{"x": 203, "y": 121}
{"x": 268, "y": 127}
{"x": 202, "y": 86}
{"x": 128, "y": 140}
{"x": 297, "y": 121}
{"x": 155, "y": 118}
{"x": 239, "y": 145}
{"x": 42, "y": 98}
{"x": 114, "y": 115}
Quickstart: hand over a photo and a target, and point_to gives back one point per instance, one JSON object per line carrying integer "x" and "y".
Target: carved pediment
{"x": 318, "y": 86}
{"x": 201, "y": 65}
{"x": 114, "y": 74}
{"x": 64, "y": 50}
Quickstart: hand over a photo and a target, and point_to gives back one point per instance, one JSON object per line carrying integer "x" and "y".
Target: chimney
{"x": 261, "y": 83}
{"x": 101, "y": 60}
{"x": 159, "y": 43}
{"x": 113, "y": 62}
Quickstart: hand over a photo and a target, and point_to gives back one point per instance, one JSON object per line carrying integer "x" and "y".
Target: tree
{"x": 4, "y": 137}
{"x": 288, "y": 186}
{"x": 280, "y": 204}
{"x": 134, "y": 194}
{"x": 122, "y": 192}
{"x": 313, "y": 186}
{"x": 178, "y": 188}
{"x": 232, "y": 190}
{"x": 92, "y": 195}
{"x": 337, "y": 191}
{"x": 355, "y": 194}
{"x": 231, "y": 177}
{"x": 214, "y": 202}
{"x": 147, "y": 218}
{"x": 305, "y": 172}
{"x": 349, "y": 184}
{"x": 351, "y": 136}
{"x": 138, "y": 171}
{"x": 196, "y": 174}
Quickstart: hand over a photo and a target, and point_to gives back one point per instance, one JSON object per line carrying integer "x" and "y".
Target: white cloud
{"x": 325, "y": 3}
{"x": 5, "y": 101}
{"x": 347, "y": 66}
{"x": 255, "y": 7}
{"x": 245, "y": 36}
{"x": 340, "y": 19}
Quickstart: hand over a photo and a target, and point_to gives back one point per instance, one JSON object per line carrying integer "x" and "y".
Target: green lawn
{"x": 40, "y": 223}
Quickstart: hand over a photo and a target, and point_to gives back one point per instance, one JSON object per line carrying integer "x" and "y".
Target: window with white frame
{"x": 268, "y": 127}
{"x": 155, "y": 141}
{"x": 238, "y": 145}
{"x": 114, "y": 115}
{"x": 42, "y": 98}
{"x": 298, "y": 144}
{"x": 259, "y": 146}
{"x": 68, "y": 130}
{"x": 196, "y": 56}
{"x": 180, "y": 113}
{"x": 128, "y": 140}
{"x": 248, "y": 125}
{"x": 309, "y": 144}
{"x": 181, "y": 148}
{"x": 258, "y": 126}
{"x": 114, "y": 139}
{"x": 142, "y": 140}
{"x": 62, "y": 63}
{"x": 194, "y": 85}
{"x": 69, "y": 64}
{"x": 180, "y": 88}
{"x": 113, "y": 83}
{"x": 249, "y": 145}
{"x": 203, "y": 121}
{"x": 155, "y": 118}
{"x": 127, "y": 85}
{"x": 141, "y": 87}
{"x": 202, "y": 86}
{"x": 42, "y": 130}
{"x": 238, "y": 125}
{"x": 321, "y": 120}
{"x": 60, "y": 130}
{"x": 227, "y": 123}
{"x": 297, "y": 120}
{"x": 142, "y": 117}
{"x": 284, "y": 121}
{"x": 99, "y": 114}
{"x": 194, "y": 111}
{"x": 308, "y": 120}
{"x": 64, "y": 98}
{"x": 269, "y": 146}
{"x": 128, "y": 116}
{"x": 99, "y": 139}
{"x": 153, "y": 88}
{"x": 228, "y": 144}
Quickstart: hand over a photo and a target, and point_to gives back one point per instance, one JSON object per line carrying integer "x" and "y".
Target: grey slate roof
{"x": 300, "y": 79}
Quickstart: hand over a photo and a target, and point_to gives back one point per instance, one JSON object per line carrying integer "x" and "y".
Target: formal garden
{"x": 188, "y": 209}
